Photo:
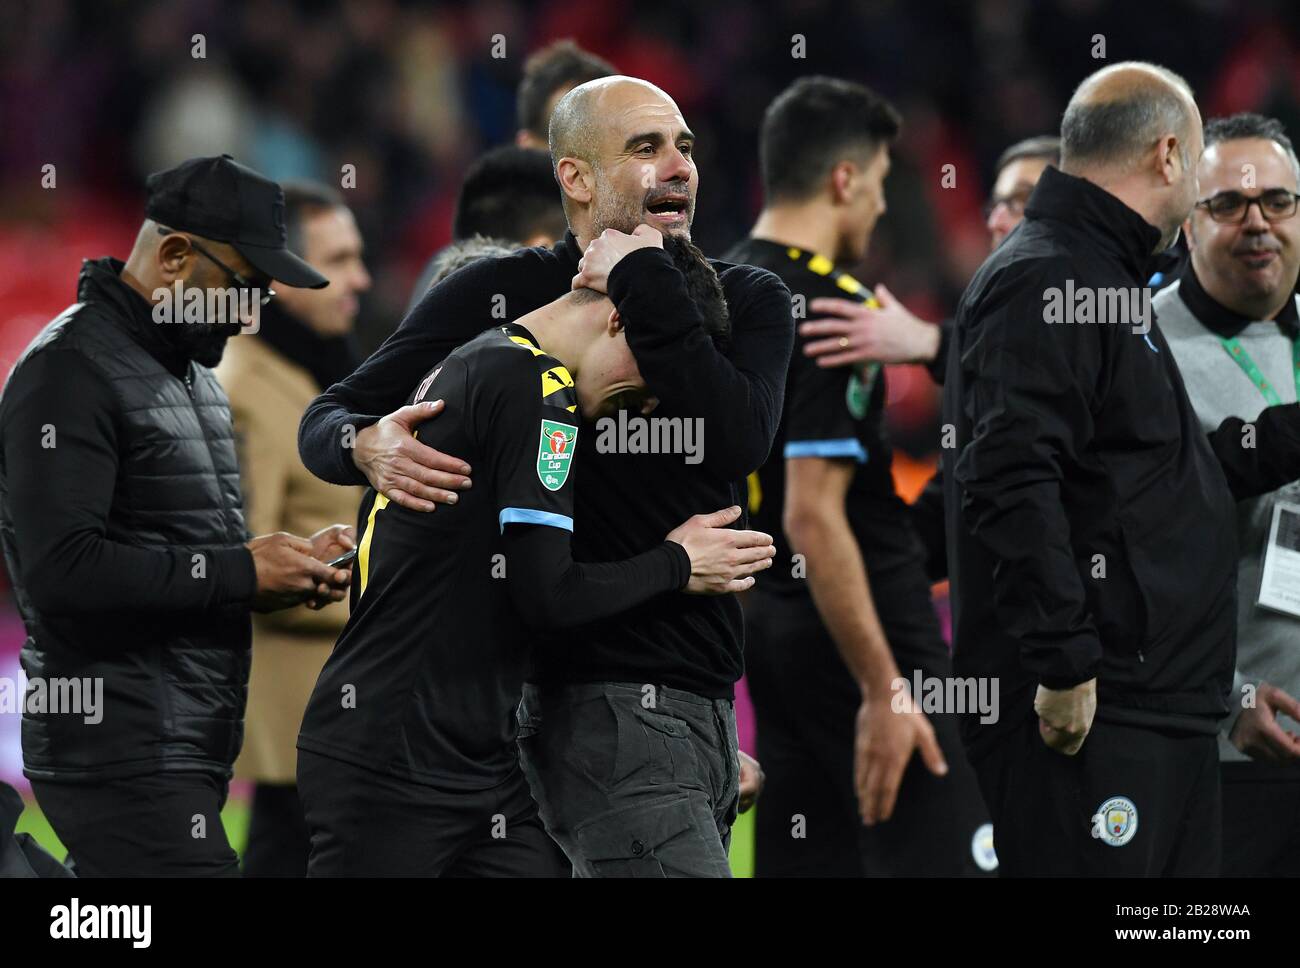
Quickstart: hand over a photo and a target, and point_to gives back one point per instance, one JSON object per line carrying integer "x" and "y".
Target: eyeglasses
{"x": 240, "y": 282}
{"x": 1275, "y": 205}
{"x": 1014, "y": 202}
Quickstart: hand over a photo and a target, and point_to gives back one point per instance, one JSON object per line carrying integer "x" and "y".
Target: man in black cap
{"x": 122, "y": 526}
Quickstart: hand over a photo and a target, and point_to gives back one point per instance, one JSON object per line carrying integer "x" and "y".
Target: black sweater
{"x": 626, "y": 503}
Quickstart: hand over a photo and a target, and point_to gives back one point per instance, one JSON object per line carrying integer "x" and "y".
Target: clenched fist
{"x": 1065, "y": 715}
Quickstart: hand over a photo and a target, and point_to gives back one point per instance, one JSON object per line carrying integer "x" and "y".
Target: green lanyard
{"x": 1251, "y": 369}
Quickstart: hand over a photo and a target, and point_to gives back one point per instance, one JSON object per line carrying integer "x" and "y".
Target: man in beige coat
{"x": 302, "y": 347}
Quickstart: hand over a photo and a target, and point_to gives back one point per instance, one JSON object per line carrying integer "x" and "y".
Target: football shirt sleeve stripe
{"x": 530, "y": 516}
{"x": 840, "y": 447}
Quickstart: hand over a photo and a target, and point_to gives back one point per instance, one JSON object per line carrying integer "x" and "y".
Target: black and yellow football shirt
{"x": 833, "y": 413}
{"x": 425, "y": 678}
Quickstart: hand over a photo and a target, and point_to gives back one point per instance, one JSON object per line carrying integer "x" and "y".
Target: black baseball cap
{"x": 222, "y": 200}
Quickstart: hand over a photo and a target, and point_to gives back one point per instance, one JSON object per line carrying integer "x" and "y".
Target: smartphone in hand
{"x": 343, "y": 560}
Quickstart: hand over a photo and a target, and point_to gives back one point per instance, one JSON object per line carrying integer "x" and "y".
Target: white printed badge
{"x": 1279, "y": 585}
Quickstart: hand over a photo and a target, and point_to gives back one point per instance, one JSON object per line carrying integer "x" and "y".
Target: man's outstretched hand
{"x": 723, "y": 559}
{"x": 404, "y": 470}
{"x": 855, "y": 332}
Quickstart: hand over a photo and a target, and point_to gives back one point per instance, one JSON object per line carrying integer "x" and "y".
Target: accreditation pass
{"x": 1279, "y": 586}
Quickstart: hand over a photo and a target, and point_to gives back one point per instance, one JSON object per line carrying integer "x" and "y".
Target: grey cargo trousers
{"x": 633, "y": 780}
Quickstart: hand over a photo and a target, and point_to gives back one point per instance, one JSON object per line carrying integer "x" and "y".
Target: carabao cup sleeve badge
{"x": 555, "y": 453}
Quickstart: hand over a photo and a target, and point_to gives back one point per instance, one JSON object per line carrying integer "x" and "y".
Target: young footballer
{"x": 407, "y": 755}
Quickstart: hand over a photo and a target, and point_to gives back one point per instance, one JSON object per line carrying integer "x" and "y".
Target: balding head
{"x": 619, "y": 145}
{"x": 1134, "y": 130}
{"x": 573, "y": 131}
{"x": 1117, "y": 115}
{"x": 569, "y": 133}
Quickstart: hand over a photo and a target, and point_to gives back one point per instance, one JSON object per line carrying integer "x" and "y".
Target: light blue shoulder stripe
{"x": 841, "y": 447}
{"x": 530, "y": 516}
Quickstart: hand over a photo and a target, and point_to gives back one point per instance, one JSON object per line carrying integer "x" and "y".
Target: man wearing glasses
{"x": 1232, "y": 325}
{"x": 1018, "y": 170}
{"x": 240, "y": 301}
{"x": 123, "y": 531}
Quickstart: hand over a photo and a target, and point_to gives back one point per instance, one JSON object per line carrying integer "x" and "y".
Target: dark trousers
{"x": 369, "y": 824}
{"x": 278, "y": 843}
{"x": 159, "y": 825}
{"x": 1261, "y": 819}
{"x": 805, "y": 704}
{"x": 1048, "y": 816}
{"x": 631, "y": 780}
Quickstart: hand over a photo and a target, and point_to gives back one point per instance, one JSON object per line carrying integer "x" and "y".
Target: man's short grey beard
{"x": 612, "y": 211}
{"x": 621, "y": 219}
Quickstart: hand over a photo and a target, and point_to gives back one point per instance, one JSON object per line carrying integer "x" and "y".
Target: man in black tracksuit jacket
{"x": 1091, "y": 537}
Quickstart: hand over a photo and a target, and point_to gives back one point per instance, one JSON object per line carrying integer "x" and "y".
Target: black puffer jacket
{"x": 122, "y": 525}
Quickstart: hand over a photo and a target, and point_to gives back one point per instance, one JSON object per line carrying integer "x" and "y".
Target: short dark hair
{"x": 1248, "y": 124}
{"x": 703, "y": 286}
{"x": 811, "y": 125}
{"x": 509, "y": 193}
{"x": 1120, "y": 132}
{"x": 302, "y": 200}
{"x": 560, "y": 65}
{"x": 1044, "y": 146}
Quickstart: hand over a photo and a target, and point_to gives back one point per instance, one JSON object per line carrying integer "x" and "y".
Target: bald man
{"x": 1090, "y": 519}
{"x": 627, "y": 728}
